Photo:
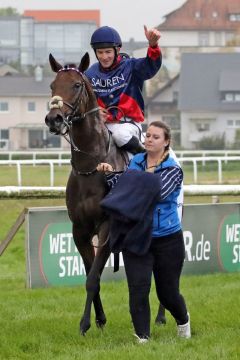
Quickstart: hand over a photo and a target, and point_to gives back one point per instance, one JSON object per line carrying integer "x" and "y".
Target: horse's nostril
{"x": 59, "y": 119}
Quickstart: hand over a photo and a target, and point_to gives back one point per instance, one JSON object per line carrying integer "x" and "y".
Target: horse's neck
{"x": 91, "y": 140}
{"x": 91, "y": 136}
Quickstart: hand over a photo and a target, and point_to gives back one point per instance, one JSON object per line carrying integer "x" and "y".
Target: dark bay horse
{"x": 74, "y": 114}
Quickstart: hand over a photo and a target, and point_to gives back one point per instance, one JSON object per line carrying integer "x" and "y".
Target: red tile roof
{"x": 213, "y": 15}
{"x": 64, "y": 15}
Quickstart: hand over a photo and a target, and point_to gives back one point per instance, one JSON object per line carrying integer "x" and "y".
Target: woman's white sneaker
{"x": 141, "y": 340}
{"x": 184, "y": 331}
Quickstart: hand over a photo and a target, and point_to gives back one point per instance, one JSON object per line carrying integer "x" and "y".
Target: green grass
{"x": 34, "y": 175}
{"x": 40, "y": 175}
{"x": 208, "y": 174}
{"x": 43, "y": 323}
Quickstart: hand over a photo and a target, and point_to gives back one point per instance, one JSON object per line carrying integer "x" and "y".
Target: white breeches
{"x": 123, "y": 132}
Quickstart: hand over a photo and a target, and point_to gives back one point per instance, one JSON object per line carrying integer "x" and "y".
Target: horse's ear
{"x": 84, "y": 64}
{"x": 55, "y": 66}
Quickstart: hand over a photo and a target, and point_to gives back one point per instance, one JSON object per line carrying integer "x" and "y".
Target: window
{"x": 233, "y": 123}
{"x": 39, "y": 138}
{"x": 234, "y": 17}
{"x": 172, "y": 120}
{"x": 3, "y": 106}
{"x": 203, "y": 38}
{"x": 231, "y": 97}
{"x": 228, "y": 97}
{"x": 31, "y": 106}
{"x": 4, "y": 137}
{"x": 175, "y": 95}
{"x": 203, "y": 127}
{"x": 237, "y": 97}
{"x": 4, "y": 134}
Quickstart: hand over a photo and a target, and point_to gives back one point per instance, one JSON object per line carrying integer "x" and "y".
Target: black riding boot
{"x": 134, "y": 146}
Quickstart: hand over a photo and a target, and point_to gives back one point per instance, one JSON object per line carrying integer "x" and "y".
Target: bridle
{"x": 57, "y": 102}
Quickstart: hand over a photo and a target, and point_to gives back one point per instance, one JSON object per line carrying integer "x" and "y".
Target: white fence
{"x": 20, "y": 163}
{"x": 204, "y": 153}
{"x": 34, "y": 154}
{"x": 188, "y": 190}
{"x": 203, "y": 160}
{"x": 194, "y": 160}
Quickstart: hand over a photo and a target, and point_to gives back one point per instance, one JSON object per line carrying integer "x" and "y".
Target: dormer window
{"x": 234, "y": 17}
{"x": 197, "y": 14}
{"x": 237, "y": 97}
{"x": 231, "y": 97}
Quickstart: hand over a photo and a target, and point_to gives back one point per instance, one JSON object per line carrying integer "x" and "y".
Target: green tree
{"x": 9, "y": 11}
{"x": 154, "y": 84}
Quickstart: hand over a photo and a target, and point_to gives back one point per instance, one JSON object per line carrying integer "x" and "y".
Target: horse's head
{"x": 68, "y": 94}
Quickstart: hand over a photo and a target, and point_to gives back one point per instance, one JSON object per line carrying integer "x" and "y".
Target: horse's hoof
{"x": 160, "y": 320}
{"x": 84, "y": 327}
{"x": 100, "y": 322}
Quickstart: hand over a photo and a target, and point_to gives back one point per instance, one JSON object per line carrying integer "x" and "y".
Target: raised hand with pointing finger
{"x": 152, "y": 35}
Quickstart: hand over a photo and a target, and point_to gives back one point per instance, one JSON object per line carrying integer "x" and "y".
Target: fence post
{"x": 51, "y": 173}
{"x": 19, "y": 175}
{"x": 34, "y": 158}
{"x": 195, "y": 171}
{"x": 219, "y": 171}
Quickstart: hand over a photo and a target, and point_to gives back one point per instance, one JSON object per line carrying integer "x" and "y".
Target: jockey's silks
{"x": 122, "y": 85}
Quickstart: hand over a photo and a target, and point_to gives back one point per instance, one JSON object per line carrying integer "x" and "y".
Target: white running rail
{"x": 188, "y": 189}
{"x": 52, "y": 162}
{"x": 19, "y": 164}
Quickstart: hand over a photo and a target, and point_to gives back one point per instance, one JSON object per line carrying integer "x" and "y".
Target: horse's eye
{"x": 77, "y": 85}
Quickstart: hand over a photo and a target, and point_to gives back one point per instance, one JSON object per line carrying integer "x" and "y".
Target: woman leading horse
{"x": 74, "y": 114}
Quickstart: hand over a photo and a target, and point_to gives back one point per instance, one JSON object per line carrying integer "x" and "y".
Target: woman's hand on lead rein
{"x": 104, "y": 167}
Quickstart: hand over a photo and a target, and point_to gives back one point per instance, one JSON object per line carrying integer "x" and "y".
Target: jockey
{"x": 118, "y": 83}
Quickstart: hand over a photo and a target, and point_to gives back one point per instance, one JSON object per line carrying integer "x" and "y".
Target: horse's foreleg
{"x": 103, "y": 252}
{"x": 84, "y": 246}
{"x": 93, "y": 289}
{"x": 94, "y": 265}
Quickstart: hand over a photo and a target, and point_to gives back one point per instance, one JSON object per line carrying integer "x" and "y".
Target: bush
{"x": 212, "y": 143}
{"x": 236, "y": 144}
